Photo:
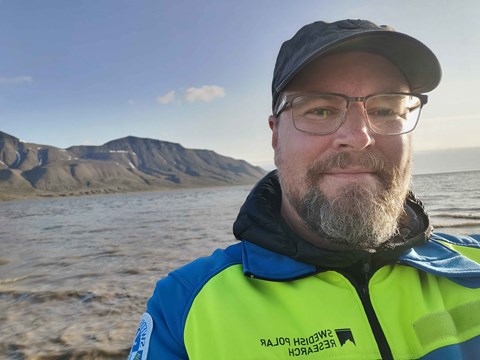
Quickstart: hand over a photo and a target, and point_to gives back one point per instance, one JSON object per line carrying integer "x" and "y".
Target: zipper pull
{"x": 366, "y": 267}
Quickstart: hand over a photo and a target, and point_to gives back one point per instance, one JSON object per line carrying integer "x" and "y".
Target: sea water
{"x": 75, "y": 273}
{"x": 452, "y": 200}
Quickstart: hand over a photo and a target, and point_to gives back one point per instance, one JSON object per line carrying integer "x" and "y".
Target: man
{"x": 337, "y": 259}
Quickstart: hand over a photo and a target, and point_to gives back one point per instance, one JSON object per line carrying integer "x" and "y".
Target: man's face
{"x": 349, "y": 186}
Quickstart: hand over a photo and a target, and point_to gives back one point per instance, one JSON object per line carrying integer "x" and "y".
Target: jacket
{"x": 275, "y": 296}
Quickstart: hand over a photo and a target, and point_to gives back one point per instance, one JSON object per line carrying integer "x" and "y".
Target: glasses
{"x": 324, "y": 113}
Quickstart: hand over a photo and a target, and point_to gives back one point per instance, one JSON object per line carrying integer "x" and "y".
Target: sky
{"x": 198, "y": 73}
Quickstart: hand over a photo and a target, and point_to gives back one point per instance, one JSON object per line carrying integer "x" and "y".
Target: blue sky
{"x": 199, "y": 72}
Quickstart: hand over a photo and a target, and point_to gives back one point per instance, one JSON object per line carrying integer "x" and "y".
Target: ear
{"x": 273, "y": 123}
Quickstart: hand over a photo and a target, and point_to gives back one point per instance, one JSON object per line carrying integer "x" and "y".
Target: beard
{"x": 357, "y": 216}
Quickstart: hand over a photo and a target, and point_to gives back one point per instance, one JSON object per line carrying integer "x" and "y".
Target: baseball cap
{"x": 417, "y": 62}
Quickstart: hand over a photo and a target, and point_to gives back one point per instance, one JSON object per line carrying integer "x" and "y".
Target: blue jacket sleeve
{"x": 161, "y": 331}
{"x": 162, "y": 336}
{"x": 167, "y": 307}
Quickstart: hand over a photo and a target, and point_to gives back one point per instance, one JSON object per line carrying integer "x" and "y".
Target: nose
{"x": 354, "y": 133}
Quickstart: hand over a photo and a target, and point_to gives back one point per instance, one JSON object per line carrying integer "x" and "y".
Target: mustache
{"x": 343, "y": 160}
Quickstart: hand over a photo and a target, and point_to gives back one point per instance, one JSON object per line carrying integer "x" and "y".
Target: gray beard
{"x": 357, "y": 217}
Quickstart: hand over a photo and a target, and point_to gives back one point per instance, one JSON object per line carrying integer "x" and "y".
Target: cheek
{"x": 396, "y": 149}
{"x": 295, "y": 152}
{"x": 299, "y": 149}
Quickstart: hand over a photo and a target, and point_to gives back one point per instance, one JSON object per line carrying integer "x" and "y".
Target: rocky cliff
{"x": 127, "y": 164}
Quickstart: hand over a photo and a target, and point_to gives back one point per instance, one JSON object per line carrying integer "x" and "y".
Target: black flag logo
{"x": 344, "y": 335}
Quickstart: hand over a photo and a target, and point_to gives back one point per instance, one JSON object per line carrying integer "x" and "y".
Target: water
{"x": 452, "y": 200}
{"x": 75, "y": 273}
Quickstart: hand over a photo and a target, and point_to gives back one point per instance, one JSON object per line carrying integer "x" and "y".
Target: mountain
{"x": 127, "y": 164}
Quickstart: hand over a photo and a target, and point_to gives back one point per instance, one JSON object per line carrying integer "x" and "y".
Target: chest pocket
{"x": 421, "y": 313}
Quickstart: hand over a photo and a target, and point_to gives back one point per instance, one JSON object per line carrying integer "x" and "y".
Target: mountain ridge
{"x": 121, "y": 165}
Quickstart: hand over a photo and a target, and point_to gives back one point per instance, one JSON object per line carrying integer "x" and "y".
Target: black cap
{"x": 417, "y": 62}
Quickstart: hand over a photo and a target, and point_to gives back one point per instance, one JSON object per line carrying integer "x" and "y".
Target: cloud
{"x": 167, "y": 98}
{"x": 131, "y": 102}
{"x": 16, "y": 80}
{"x": 205, "y": 93}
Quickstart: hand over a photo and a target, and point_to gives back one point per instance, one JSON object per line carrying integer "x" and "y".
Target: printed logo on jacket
{"x": 320, "y": 341}
{"x": 142, "y": 339}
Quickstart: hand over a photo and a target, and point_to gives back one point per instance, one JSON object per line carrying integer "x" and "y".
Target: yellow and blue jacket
{"x": 276, "y": 297}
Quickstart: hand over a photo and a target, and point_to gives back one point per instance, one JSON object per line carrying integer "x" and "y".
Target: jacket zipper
{"x": 364, "y": 294}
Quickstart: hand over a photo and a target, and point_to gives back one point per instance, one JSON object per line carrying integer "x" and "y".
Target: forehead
{"x": 352, "y": 73}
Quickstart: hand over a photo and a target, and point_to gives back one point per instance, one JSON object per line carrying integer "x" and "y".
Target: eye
{"x": 383, "y": 112}
{"x": 318, "y": 108}
{"x": 388, "y": 107}
{"x": 322, "y": 112}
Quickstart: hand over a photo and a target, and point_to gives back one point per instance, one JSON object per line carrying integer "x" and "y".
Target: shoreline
{"x": 5, "y": 197}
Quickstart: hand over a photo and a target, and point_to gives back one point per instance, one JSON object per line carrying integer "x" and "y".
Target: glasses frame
{"x": 287, "y": 100}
